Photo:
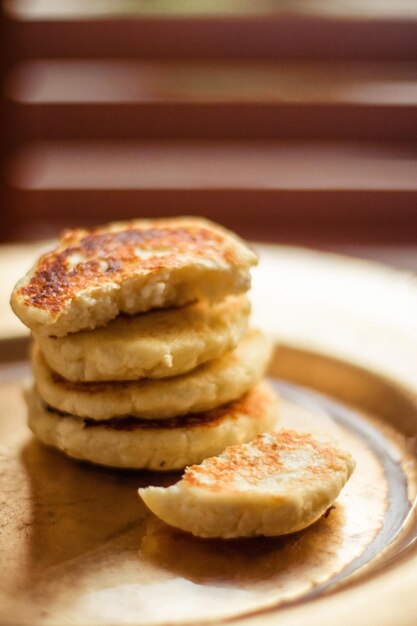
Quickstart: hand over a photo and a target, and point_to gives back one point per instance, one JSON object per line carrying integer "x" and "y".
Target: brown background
{"x": 287, "y": 124}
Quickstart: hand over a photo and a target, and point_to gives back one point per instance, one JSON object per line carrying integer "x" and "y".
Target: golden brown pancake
{"x": 277, "y": 484}
{"x": 130, "y": 267}
{"x": 158, "y": 445}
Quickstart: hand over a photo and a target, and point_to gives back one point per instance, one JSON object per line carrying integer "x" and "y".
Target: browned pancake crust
{"x": 218, "y": 473}
{"x": 55, "y": 281}
{"x": 253, "y": 403}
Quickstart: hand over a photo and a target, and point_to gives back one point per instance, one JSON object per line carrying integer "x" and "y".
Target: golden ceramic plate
{"x": 77, "y": 546}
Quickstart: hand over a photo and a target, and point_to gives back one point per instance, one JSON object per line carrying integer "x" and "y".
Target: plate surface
{"x": 79, "y": 547}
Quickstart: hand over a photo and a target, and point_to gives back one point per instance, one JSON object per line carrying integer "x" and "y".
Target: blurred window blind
{"x": 288, "y": 121}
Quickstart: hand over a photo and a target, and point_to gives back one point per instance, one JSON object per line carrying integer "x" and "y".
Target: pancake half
{"x": 130, "y": 267}
{"x": 277, "y": 484}
{"x": 210, "y": 385}
{"x": 170, "y": 445}
{"x": 158, "y": 344}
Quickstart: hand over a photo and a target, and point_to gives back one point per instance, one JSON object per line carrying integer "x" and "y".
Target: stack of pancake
{"x": 142, "y": 355}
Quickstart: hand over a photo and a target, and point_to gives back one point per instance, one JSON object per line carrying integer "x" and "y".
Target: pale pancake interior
{"x": 210, "y": 385}
{"x": 158, "y": 344}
